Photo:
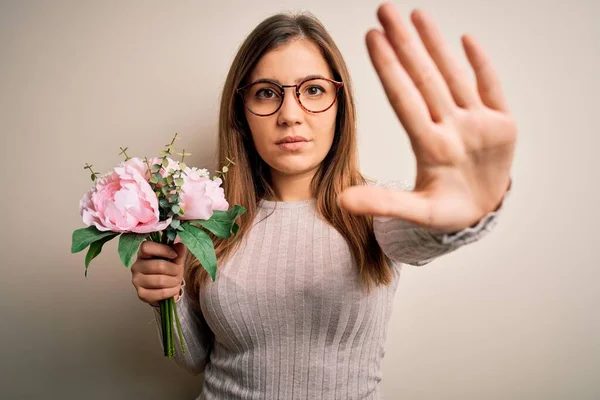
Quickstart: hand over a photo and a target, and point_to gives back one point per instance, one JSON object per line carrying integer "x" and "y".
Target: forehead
{"x": 291, "y": 62}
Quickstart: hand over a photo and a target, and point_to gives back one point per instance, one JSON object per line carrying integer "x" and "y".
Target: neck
{"x": 294, "y": 187}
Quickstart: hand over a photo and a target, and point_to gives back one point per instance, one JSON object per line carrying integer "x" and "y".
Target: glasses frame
{"x": 338, "y": 87}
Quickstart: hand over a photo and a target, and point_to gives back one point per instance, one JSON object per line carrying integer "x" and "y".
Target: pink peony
{"x": 123, "y": 201}
{"x": 200, "y": 195}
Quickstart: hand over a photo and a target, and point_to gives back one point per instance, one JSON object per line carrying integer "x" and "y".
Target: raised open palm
{"x": 461, "y": 131}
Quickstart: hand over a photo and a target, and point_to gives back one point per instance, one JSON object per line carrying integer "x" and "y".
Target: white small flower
{"x": 196, "y": 173}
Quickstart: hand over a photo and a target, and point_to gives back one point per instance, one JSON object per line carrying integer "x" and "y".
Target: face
{"x": 290, "y": 64}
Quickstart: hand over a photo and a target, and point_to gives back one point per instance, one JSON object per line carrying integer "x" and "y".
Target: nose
{"x": 290, "y": 112}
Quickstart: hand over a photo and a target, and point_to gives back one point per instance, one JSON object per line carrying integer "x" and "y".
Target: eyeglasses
{"x": 265, "y": 97}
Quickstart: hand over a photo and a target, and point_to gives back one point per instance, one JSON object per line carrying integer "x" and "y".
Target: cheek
{"x": 326, "y": 128}
{"x": 261, "y": 133}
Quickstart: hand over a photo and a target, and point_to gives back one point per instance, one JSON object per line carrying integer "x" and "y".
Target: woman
{"x": 303, "y": 296}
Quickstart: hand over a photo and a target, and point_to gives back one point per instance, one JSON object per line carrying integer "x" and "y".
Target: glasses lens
{"x": 262, "y": 98}
{"x": 317, "y": 94}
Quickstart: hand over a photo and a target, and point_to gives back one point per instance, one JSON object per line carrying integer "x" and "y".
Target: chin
{"x": 294, "y": 167}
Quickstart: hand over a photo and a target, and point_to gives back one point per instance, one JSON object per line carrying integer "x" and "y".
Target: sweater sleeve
{"x": 408, "y": 243}
{"x": 198, "y": 337}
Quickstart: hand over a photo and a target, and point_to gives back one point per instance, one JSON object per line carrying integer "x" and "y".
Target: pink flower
{"x": 200, "y": 195}
{"x": 123, "y": 201}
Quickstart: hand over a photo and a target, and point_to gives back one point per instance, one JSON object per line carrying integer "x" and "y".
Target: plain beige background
{"x": 511, "y": 317}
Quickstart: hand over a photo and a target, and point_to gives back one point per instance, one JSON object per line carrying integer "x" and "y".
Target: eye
{"x": 314, "y": 90}
{"x": 266, "y": 94}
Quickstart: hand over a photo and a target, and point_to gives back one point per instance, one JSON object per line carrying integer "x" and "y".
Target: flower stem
{"x": 169, "y": 332}
{"x": 178, "y": 327}
{"x": 164, "y": 329}
{"x": 168, "y": 312}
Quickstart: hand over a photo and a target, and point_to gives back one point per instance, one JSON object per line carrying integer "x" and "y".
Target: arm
{"x": 196, "y": 333}
{"x": 408, "y": 243}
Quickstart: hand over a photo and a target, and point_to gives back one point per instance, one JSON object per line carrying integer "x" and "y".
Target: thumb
{"x": 387, "y": 202}
{"x": 181, "y": 251}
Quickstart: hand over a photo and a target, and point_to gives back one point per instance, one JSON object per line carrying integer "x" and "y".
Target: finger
{"x": 149, "y": 249}
{"x": 181, "y": 251}
{"x": 404, "y": 97}
{"x": 421, "y": 68}
{"x": 158, "y": 267}
{"x": 387, "y": 202}
{"x": 488, "y": 82}
{"x": 156, "y": 281}
{"x": 461, "y": 87}
{"x": 153, "y": 296}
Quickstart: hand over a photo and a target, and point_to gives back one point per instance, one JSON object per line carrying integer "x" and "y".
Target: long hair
{"x": 249, "y": 180}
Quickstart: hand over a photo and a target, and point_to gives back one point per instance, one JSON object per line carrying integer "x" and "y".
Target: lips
{"x": 292, "y": 139}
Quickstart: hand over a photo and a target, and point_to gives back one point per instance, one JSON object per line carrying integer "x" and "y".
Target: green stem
{"x": 166, "y": 319}
{"x": 178, "y": 327}
{"x": 168, "y": 311}
{"x": 163, "y": 313}
{"x": 169, "y": 329}
{"x": 172, "y": 311}
{"x": 164, "y": 238}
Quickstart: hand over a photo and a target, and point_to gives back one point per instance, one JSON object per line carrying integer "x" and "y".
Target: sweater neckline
{"x": 271, "y": 204}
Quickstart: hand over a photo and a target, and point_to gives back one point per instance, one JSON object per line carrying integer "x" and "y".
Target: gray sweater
{"x": 286, "y": 317}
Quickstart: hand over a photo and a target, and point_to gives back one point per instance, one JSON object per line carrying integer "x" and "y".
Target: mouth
{"x": 292, "y": 143}
{"x": 292, "y": 139}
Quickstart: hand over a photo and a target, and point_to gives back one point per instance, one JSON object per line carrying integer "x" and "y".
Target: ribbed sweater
{"x": 287, "y": 318}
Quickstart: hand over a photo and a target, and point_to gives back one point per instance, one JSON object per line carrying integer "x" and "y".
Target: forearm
{"x": 408, "y": 243}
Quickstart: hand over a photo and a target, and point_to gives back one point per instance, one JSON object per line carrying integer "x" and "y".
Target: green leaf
{"x": 153, "y": 179}
{"x": 129, "y": 243}
{"x": 222, "y": 223}
{"x": 95, "y": 249}
{"x": 170, "y": 179}
{"x": 175, "y": 208}
{"x": 199, "y": 243}
{"x": 164, "y": 203}
{"x": 156, "y": 167}
{"x": 175, "y": 223}
{"x": 83, "y": 237}
{"x": 165, "y": 163}
{"x": 221, "y": 229}
{"x": 171, "y": 235}
{"x": 179, "y": 181}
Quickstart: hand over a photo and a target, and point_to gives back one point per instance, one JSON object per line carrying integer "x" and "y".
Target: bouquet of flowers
{"x": 161, "y": 200}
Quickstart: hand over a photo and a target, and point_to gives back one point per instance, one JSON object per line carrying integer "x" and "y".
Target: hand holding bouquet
{"x": 159, "y": 200}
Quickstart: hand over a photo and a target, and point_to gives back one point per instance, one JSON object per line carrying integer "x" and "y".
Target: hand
{"x": 157, "y": 279}
{"x": 462, "y": 134}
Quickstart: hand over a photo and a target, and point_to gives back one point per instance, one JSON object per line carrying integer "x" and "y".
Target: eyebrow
{"x": 297, "y": 80}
